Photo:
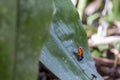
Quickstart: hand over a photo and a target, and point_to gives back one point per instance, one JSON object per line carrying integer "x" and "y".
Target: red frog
{"x": 79, "y": 54}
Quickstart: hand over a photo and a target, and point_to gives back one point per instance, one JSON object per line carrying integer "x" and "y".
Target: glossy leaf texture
{"x": 66, "y": 36}
{"x": 24, "y": 27}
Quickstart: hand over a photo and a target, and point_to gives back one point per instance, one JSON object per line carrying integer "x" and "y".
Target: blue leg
{"x": 80, "y": 58}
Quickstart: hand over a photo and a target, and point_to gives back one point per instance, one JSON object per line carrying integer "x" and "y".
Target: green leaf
{"x": 24, "y": 26}
{"x": 7, "y": 38}
{"x": 97, "y": 53}
{"x": 116, "y": 9}
{"x": 66, "y": 36}
{"x": 91, "y": 18}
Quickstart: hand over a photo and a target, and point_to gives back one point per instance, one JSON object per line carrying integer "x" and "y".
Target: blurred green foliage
{"x": 24, "y": 26}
